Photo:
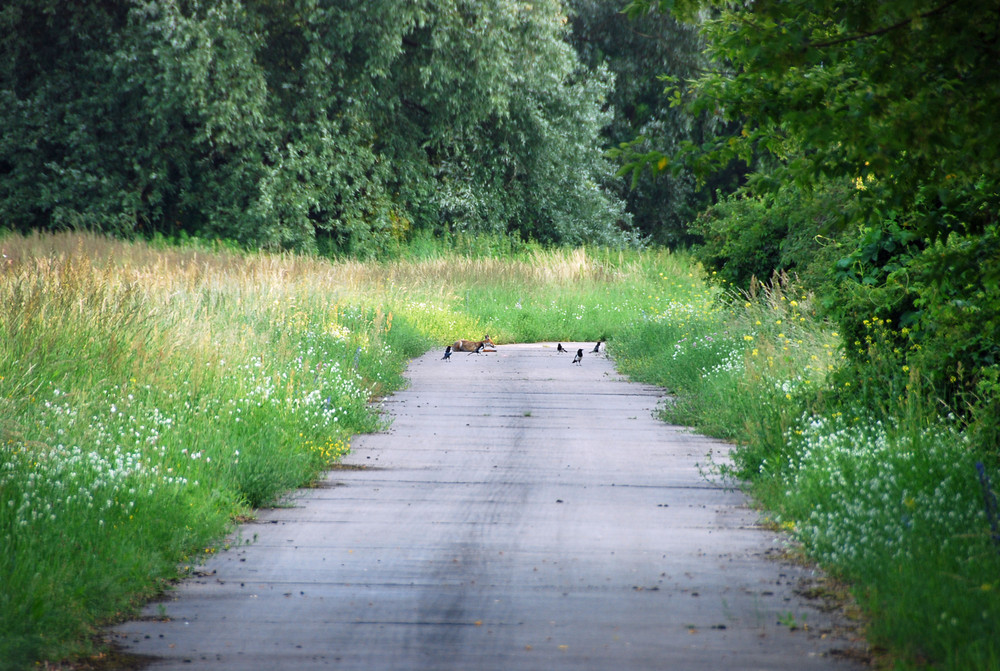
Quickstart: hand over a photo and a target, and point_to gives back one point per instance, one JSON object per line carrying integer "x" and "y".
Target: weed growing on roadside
{"x": 900, "y": 511}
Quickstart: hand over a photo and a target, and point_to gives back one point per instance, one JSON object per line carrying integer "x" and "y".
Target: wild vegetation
{"x": 152, "y": 395}
{"x": 873, "y": 177}
{"x": 301, "y": 124}
{"x": 899, "y": 501}
{"x": 832, "y": 166}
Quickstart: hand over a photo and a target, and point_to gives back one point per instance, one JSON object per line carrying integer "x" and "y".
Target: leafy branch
{"x": 883, "y": 30}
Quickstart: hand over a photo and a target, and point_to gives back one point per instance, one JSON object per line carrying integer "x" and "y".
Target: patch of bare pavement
{"x": 521, "y": 513}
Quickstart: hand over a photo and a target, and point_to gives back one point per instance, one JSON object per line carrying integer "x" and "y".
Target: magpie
{"x": 561, "y": 349}
{"x": 578, "y": 357}
{"x": 597, "y": 347}
{"x": 447, "y": 353}
{"x": 479, "y": 349}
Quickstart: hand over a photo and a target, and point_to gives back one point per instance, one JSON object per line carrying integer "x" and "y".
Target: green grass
{"x": 887, "y": 498}
{"x": 151, "y": 395}
{"x": 900, "y": 512}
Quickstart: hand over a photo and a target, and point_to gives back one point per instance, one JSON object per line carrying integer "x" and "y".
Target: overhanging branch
{"x": 886, "y": 29}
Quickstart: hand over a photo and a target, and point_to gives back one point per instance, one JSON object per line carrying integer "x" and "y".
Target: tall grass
{"x": 150, "y": 395}
{"x": 886, "y": 497}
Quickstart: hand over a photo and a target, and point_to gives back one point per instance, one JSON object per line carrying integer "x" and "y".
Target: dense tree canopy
{"x": 642, "y": 53}
{"x": 274, "y": 121}
{"x": 898, "y": 100}
{"x": 869, "y": 130}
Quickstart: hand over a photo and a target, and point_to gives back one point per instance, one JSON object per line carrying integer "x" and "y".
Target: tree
{"x": 506, "y": 123}
{"x": 899, "y": 98}
{"x": 271, "y": 121}
{"x": 644, "y": 53}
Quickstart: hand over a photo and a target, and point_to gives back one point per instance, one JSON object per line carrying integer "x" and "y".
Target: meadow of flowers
{"x": 150, "y": 396}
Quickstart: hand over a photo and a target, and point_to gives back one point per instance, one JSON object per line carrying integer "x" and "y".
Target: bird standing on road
{"x": 561, "y": 349}
{"x": 479, "y": 349}
{"x": 447, "y": 353}
{"x": 597, "y": 347}
{"x": 578, "y": 357}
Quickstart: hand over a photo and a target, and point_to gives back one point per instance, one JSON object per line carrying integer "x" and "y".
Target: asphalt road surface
{"x": 522, "y": 512}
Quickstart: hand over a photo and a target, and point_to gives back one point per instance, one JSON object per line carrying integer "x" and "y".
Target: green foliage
{"x": 209, "y": 379}
{"x": 956, "y": 284}
{"x": 869, "y": 126}
{"x": 634, "y": 50}
{"x": 145, "y": 399}
{"x": 787, "y": 231}
{"x": 869, "y": 477}
{"x": 865, "y": 497}
{"x": 897, "y": 91}
{"x": 149, "y": 394}
{"x": 274, "y": 122}
{"x": 499, "y": 155}
{"x": 937, "y": 303}
{"x": 742, "y": 239}
{"x": 739, "y": 373}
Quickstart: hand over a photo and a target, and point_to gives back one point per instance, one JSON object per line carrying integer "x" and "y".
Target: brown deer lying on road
{"x": 471, "y": 346}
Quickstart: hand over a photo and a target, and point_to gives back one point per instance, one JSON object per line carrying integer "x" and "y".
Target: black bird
{"x": 597, "y": 347}
{"x": 479, "y": 349}
{"x": 447, "y": 353}
{"x": 578, "y": 357}
{"x": 561, "y": 349}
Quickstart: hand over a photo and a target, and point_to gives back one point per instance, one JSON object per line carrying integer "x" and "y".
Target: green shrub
{"x": 925, "y": 314}
{"x": 788, "y": 231}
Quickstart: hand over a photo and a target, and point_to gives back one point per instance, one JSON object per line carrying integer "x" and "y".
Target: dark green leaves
{"x": 271, "y": 121}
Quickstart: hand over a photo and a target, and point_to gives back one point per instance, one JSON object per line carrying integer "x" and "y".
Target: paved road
{"x": 521, "y": 513}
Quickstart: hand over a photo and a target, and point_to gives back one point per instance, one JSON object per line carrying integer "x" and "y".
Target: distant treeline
{"x": 855, "y": 147}
{"x": 300, "y": 123}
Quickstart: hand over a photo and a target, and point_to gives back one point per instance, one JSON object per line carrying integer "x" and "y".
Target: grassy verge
{"x": 149, "y": 396}
{"x": 891, "y": 499}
